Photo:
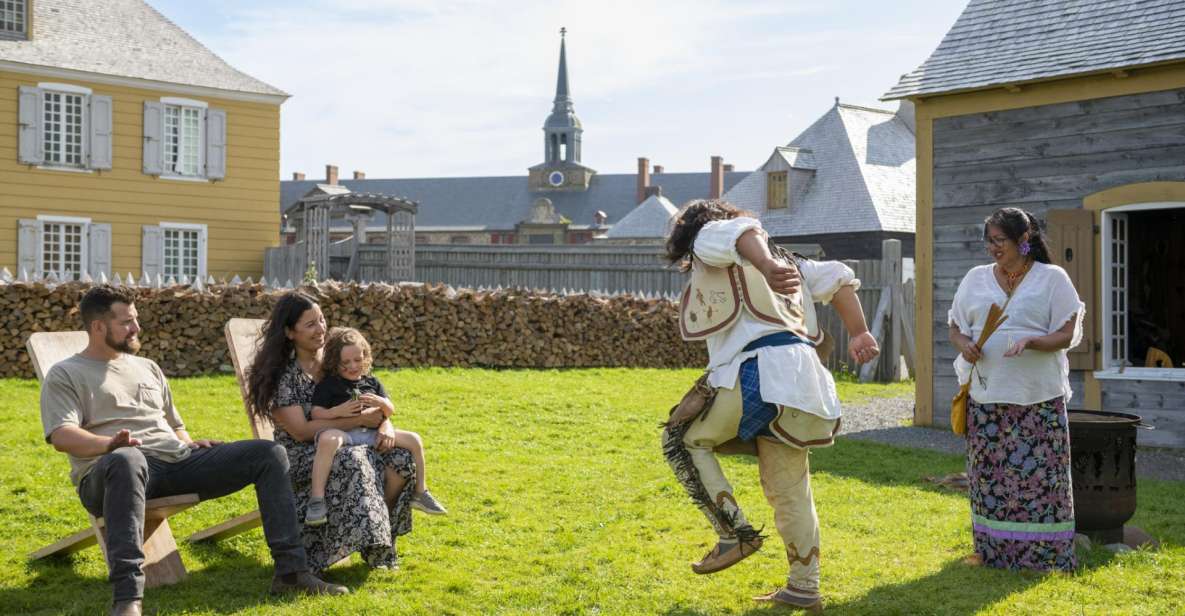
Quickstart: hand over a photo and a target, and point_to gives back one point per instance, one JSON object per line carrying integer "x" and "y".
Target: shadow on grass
{"x": 229, "y": 581}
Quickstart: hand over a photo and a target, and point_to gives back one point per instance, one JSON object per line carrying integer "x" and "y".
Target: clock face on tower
{"x": 555, "y": 178}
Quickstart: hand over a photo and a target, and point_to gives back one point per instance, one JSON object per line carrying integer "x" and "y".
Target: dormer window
{"x": 14, "y": 20}
{"x": 775, "y": 190}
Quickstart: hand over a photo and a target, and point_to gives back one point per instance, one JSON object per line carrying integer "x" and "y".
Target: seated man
{"x": 112, "y": 413}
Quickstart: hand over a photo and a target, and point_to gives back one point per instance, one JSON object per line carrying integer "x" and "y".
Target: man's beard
{"x": 127, "y": 345}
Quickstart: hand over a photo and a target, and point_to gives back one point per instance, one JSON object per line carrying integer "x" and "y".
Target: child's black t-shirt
{"x": 334, "y": 390}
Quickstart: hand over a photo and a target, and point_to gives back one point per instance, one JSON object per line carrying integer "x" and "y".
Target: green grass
{"x": 561, "y": 504}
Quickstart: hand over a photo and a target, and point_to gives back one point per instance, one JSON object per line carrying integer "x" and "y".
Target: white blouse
{"x": 790, "y": 375}
{"x": 1041, "y": 304}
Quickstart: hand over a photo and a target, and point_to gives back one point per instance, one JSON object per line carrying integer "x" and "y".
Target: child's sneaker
{"x": 426, "y": 503}
{"x": 317, "y": 513}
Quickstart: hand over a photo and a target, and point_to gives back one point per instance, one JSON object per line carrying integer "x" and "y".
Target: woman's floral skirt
{"x": 1022, "y": 501}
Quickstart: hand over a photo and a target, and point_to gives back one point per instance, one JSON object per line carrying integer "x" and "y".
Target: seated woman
{"x": 370, "y": 489}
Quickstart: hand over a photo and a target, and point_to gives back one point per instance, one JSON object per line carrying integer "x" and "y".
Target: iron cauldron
{"x": 1103, "y": 471}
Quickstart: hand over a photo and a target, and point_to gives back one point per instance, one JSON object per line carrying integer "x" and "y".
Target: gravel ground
{"x": 886, "y": 420}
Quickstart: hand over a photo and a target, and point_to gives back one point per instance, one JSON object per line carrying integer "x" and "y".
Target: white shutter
{"x": 100, "y": 132}
{"x": 99, "y": 249}
{"x": 152, "y": 251}
{"x": 203, "y": 251}
{"x": 154, "y": 126}
{"x": 29, "y": 247}
{"x": 31, "y": 151}
{"x": 215, "y": 144}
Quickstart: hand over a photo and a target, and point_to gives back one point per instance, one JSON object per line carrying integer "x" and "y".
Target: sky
{"x": 409, "y": 88}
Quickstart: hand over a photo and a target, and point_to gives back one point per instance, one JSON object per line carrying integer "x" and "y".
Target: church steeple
{"x": 561, "y": 168}
{"x": 562, "y": 128}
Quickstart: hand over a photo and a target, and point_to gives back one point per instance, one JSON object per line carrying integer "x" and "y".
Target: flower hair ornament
{"x": 1025, "y": 248}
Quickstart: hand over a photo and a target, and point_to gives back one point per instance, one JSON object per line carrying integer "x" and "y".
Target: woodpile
{"x": 407, "y": 325}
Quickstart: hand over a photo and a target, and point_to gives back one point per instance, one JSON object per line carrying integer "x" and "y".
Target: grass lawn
{"x": 562, "y": 504}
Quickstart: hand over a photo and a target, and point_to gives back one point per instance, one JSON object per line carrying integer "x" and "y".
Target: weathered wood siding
{"x": 240, "y": 211}
{"x": 1043, "y": 158}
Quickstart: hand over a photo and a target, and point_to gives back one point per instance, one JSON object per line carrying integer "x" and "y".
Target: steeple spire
{"x": 563, "y": 98}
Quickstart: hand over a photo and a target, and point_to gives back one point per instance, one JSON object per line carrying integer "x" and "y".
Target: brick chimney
{"x": 359, "y": 175}
{"x": 653, "y": 191}
{"x": 643, "y": 178}
{"x": 658, "y": 169}
{"x": 728, "y": 168}
{"x": 331, "y": 175}
{"x": 298, "y": 176}
{"x": 716, "y": 182}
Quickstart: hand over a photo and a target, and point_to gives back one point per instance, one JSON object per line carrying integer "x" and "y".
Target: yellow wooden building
{"x": 1074, "y": 111}
{"x": 126, "y": 146}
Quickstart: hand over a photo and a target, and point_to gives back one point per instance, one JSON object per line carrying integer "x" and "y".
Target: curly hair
{"x": 1014, "y": 222}
{"x": 700, "y": 212}
{"x": 274, "y": 352}
{"x": 339, "y": 339}
{"x": 694, "y": 215}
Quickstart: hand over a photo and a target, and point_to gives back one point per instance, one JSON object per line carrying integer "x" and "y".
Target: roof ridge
{"x": 863, "y": 108}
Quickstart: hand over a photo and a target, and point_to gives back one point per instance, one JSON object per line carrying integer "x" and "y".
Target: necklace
{"x": 1014, "y": 279}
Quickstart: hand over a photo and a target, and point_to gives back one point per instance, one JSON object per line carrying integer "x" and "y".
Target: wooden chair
{"x": 162, "y": 562}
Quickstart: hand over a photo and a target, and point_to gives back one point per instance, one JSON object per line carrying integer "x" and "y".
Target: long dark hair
{"x": 274, "y": 352}
{"x": 700, "y": 212}
{"x": 1014, "y": 222}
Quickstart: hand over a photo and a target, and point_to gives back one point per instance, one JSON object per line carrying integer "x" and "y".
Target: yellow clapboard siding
{"x": 241, "y": 212}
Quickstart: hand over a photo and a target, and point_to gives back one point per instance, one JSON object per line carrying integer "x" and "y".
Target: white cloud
{"x": 400, "y": 88}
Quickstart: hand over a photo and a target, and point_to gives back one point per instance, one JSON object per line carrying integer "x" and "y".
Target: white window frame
{"x": 1109, "y": 369}
{"x": 68, "y": 89}
{"x": 84, "y": 241}
{"x": 23, "y": 33}
{"x": 181, "y": 104}
{"x": 203, "y": 244}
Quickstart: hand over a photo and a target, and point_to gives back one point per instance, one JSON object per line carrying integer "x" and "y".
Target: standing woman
{"x": 1018, "y": 437}
{"x": 370, "y": 488}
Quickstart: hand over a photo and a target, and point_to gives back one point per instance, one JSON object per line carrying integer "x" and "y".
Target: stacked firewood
{"x": 407, "y": 325}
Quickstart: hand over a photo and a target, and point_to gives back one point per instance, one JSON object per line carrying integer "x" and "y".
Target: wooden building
{"x": 1074, "y": 111}
{"x": 129, "y": 147}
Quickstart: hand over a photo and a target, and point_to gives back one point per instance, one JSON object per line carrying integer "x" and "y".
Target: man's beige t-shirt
{"x": 104, "y": 397}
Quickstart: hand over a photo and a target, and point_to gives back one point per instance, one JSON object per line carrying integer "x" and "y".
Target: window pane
{"x": 12, "y": 16}
{"x": 181, "y": 253}
{"x": 61, "y": 249}
{"x": 63, "y": 128}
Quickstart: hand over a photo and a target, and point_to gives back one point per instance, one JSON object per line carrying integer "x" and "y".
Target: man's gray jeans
{"x": 119, "y": 483}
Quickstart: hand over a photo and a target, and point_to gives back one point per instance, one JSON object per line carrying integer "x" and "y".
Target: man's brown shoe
{"x": 307, "y": 583}
{"x": 721, "y": 558}
{"x": 130, "y": 607}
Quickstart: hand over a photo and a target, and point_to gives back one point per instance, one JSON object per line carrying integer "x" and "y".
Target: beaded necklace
{"x": 1014, "y": 279}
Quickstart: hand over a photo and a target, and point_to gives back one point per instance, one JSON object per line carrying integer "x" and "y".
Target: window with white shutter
{"x": 64, "y": 126}
{"x": 184, "y": 139}
{"x": 64, "y": 243}
{"x": 183, "y": 250}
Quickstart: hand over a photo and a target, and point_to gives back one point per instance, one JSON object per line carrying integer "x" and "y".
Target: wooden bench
{"x": 162, "y": 561}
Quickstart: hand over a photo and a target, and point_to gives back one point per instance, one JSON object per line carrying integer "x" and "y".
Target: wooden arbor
{"x": 313, "y": 214}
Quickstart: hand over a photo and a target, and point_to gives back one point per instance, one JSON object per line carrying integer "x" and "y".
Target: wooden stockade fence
{"x": 555, "y": 326}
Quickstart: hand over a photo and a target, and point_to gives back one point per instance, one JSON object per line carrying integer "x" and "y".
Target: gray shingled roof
{"x": 864, "y": 178}
{"x": 124, "y": 38}
{"x": 997, "y": 42}
{"x": 499, "y": 203}
{"x": 651, "y": 219}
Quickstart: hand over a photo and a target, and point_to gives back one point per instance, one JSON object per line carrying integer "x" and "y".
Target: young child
{"x": 346, "y": 388}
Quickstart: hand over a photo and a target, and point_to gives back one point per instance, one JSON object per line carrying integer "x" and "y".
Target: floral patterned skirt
{"x": 359, "y": 520}
{"x": 1022, "y": 501}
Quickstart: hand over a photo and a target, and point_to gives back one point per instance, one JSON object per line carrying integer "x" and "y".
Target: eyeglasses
{"x": 997, "y": 242}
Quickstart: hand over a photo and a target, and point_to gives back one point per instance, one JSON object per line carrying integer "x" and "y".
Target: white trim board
{"x": 145, "y": 84}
